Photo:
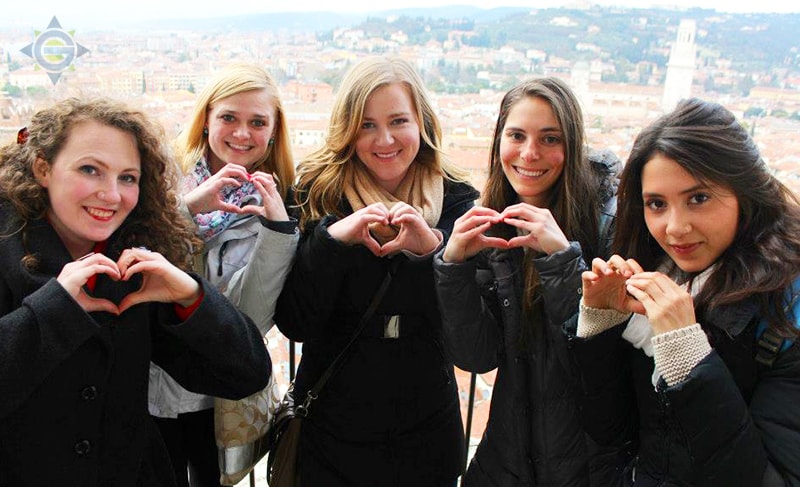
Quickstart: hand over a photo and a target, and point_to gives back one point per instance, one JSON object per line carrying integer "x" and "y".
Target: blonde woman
{"x": 377, "y": 198}
{"x": 237, "y": 163}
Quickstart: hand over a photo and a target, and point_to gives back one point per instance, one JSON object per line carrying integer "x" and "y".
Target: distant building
{"x": 681, "y": 66}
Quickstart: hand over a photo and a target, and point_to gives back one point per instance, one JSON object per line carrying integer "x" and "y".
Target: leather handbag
{"x": 242, "y": 430}
{"x": 284, "y": 434}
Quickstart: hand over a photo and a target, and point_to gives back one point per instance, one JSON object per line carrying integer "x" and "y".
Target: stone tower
{"x": 681, "y": 66}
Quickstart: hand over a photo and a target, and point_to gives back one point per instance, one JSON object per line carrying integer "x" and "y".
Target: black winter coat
{"x": 390, "y": 415}
{"x": 533, "y": 436}
{"x": 731, "y": 422}
{"x": 73, "y": 385}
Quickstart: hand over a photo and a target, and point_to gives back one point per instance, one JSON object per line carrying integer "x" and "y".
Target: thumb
{"x": 131, "y": 300}
{"x": 95, "y": 304}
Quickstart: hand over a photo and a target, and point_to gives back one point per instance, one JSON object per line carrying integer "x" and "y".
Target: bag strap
{"x": 770, "y": 342}
{"x": 313, "y": 393}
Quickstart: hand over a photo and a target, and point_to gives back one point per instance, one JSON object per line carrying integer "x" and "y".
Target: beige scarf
{"x": 422, "y": 188}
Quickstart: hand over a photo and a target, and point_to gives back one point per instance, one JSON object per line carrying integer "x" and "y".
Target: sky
{"x": 99, "y": 13}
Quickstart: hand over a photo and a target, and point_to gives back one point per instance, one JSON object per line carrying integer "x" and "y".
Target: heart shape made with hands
{"x": 129, "y": 289}
{"x": 383, "y": 233}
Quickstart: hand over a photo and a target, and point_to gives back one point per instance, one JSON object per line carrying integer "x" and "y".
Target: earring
{"x": 205, "y": 131}
{"x": 271, "y": 141}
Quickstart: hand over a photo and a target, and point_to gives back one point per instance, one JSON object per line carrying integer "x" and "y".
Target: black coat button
{"x": 89, "y": 393}
{"x": 82, "y": 447}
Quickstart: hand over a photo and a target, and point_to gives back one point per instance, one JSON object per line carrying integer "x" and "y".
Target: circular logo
{"x": 54, "y": 50}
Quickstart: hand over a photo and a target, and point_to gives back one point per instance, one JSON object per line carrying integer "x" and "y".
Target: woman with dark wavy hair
{"x": 92, "y": 248}
{"x": 687, "y": 336}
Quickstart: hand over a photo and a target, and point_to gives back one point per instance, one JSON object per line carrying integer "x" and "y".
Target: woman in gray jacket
{"x": 510, "y": 275}
{"x": 236, "y": 157}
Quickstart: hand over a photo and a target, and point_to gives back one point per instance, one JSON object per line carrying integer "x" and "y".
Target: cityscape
{"x": 160, "y": 69}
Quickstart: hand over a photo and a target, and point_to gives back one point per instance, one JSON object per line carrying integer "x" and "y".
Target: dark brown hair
{"x": 707, "y": 141}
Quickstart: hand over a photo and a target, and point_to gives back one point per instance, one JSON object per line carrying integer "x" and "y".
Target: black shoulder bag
{"x": 284, "y": 433}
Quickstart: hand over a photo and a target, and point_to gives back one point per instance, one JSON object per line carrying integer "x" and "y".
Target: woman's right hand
{"x": 75, "y": 275}
{"x": 354, "y": 228}
{"x": 467, "y": 238}
{"x": 604, "y": 287}
{"x": 207, "y": 196}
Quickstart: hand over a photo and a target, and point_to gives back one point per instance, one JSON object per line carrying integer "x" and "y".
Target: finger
{"x": 133, "y": 256}
{"x": 226, "y": 181}
{"x": 91, "y": 304}
{"x": 620, "y": 265}
{"x": 481, "y": 211}
{"x": 518, "y": 223}
{"x": 390, "y": 248}
{"x": 495, "y": 242}
{"x": 414, "y": 219}
{"x": 589, "y": 277}
{"x": 228, "y": 207}
{"x": 233, "y": 171}
{"x": 402, "y": 208}
{"x": 376, "y": 208}
{"x": 251, "y": 210}
{"x": 634, "y": 266}
{"x": 475, "y": 221}
{"x": 472, "y": 231}
{"x": 131, "y": 300}
{"x": 372, "y": 245}
{"x": 522, "y": 211}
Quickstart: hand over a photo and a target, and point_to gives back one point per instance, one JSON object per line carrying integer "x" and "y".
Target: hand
{"x": 207, "y": 196}
{"x": 273, "y": 208}
{"x": 354, "y": 228}
{"x": 543, "y": 233}
{"x": 468, "y": 236}
{"x": 75, "y": 275}
{"x": 667, "y": 306}
{"x": 414, "y": 234}
{"x": 604, "y": 285}
{"x": 161, "y": 281}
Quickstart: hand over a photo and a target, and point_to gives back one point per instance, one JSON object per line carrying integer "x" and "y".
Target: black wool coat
{"x": 390, "y": 415}
{"x": 73, "y": 385}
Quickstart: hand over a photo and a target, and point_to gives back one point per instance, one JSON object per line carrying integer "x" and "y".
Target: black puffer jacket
{"x": 533, "y": 436}
{"x": 731, "y": 422}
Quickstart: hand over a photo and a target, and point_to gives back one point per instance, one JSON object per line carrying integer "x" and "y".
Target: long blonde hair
{"x": 192, "y": 144}
{"x": 324, "y": 173}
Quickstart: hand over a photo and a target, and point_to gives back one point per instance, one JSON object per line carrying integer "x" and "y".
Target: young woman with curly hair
{"x": 92, "y": 248}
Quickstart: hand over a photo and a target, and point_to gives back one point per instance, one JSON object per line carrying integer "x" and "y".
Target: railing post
{"x": 472, "y": 386}
{"x": 291, "y": 360}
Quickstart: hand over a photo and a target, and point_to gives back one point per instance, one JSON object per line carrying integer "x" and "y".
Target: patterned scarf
{"x": 422, "y": 188}
{"x": 211, "y": 224}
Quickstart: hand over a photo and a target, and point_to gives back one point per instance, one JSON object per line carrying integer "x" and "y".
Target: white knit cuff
{"x": 676, "y": 352}
{"x": 593, "y": 321}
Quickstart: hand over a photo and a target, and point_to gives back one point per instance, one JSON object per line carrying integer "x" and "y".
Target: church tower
{"x": 681, "y": 66}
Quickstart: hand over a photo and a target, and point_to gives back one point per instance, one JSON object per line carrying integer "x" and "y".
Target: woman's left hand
{"x": 543, "y": 233}
{"x": 414, "y": 233}
{"x": 667, "y": 305}
{"x": 273, "y": 208}
{"x": 161, "y": 280}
